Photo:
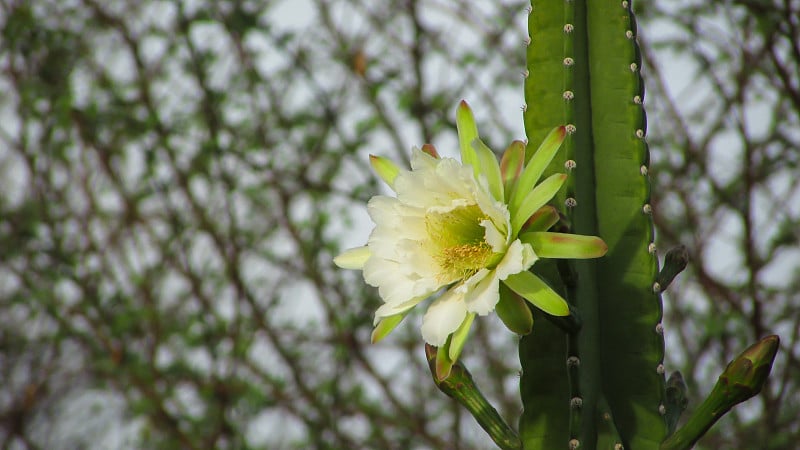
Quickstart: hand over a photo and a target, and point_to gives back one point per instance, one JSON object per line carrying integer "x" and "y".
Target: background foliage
{"x": 176, "y": 177}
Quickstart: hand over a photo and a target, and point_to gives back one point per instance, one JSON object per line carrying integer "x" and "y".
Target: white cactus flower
{"x": 456, "y": 225}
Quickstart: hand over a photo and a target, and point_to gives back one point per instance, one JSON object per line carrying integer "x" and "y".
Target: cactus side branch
{"x": 742, "y": 379}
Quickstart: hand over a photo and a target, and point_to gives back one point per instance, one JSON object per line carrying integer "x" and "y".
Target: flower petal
{"x": 494, "y": 237}
{"x": 391, "y": 309}
{"x": 422, "y": 160}
{"x": 434, "y": 182}
{"x": 519, "y": 257}
{"x": 482, "y": 290}
{"x": 563, "y": 245}
{"x": 353, "y": 258}
{"x": 497, "y": 213}
{"x": 536, "y": 291}
{"x": 385, "y": 210}
{"x": 483, "y": 295}
{"x": 443, "y": 318}
{"x": 388, "y": 276}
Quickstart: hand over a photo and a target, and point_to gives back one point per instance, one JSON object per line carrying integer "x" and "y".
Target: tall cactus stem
{"x": 608, "y": 437}
{"x": 576, "y": 407}
{"x": 583, "y": 62}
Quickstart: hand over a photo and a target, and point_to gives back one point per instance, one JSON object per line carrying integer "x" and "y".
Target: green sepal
{"x": 386, "y": 325}
{"x": 385, "y": 168}
{"x": 490, "y": 168}
{"x": 536, "y": 166}
{"x": 564, "y": 245}
{"x": 467, "y": 133}
{"x": 443, "y": 362}
{"x": 538, "y": 293}
{"x": 353, "y": 258}
{"x": 514, "y": 312}
{"x": 538, "y": 197}
{"x": 459, "y": 337}
{"x": 511, "y": 164}
{"x": 431, "y": 150}
{"x": 745, "y": 376}
{"x": 542, "y": 220}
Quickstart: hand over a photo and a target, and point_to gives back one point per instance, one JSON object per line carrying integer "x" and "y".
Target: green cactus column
{"x": 604, "y": 386}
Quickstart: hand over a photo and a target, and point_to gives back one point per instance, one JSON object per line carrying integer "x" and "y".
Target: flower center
{"x": 457, "y": 242}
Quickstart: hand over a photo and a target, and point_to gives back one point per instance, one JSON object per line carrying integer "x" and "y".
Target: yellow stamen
{"x": 457, "y": 242}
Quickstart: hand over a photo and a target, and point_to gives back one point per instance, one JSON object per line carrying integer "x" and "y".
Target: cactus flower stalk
{"x": 742, "y": 379}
